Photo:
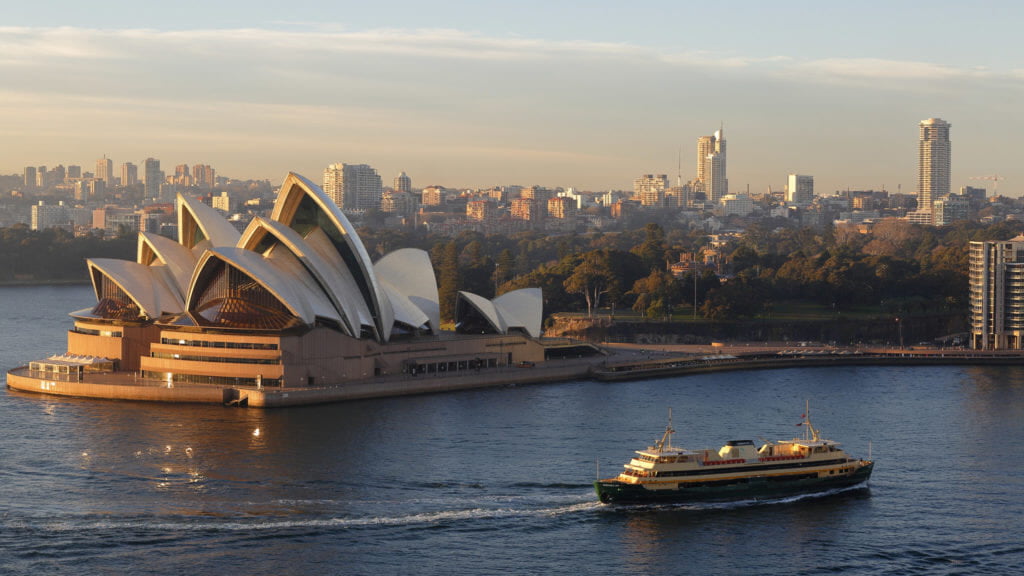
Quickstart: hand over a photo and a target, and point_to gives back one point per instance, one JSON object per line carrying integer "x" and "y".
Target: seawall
{"x": 122, "y": 386}
{"x": 631, "y": 363}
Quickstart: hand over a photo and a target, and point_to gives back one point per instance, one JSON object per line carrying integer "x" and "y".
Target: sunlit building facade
{"x": 649, "y": 189}
{"x": 800, "y": 190}
{"x": 997, "y": 294}
{"x": 105, "y": 171}
{"x": 353, "y": 186}
{"x": 712, "y": 177}
{"x": 933, "y": 163}
{"x": 129, "y": 174}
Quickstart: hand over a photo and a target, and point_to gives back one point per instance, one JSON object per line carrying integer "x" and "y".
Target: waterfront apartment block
{"x": 997, "y": 294}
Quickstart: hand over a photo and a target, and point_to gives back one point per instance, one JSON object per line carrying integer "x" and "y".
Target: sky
{"x": 588, "y": 95}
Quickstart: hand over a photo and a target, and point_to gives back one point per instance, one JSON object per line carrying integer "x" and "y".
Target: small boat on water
{"x": 737, "y": 471}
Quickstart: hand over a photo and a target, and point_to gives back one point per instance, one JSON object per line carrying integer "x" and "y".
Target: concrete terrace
{"x": 623, "y": 362}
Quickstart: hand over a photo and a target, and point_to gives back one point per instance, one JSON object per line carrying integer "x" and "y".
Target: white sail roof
{"x": 197, "y": 221}
{"x": 180, "y": 261}
{"x": 348, "y": 287}
{"x": 487, "y": 309}
{"x": 522, "y": 308}
{"x": 279, "y": 277}
{"x": 406, "y": 311}
{"x": 145, "y": 288}
{"x": 410, "y": 273}
{"x": 517, "y": 309}
{"x": 331, "y": 275}
{"x": 293, "y": 191}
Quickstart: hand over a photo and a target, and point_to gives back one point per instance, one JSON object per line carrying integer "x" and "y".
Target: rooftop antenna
{"x": 679, "y": 168}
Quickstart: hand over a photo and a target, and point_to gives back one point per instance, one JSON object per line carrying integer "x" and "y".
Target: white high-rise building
{"x": 997, "y": 294}
{"x": 800, "y": 191}
{"x": 711, "y": 166}
{"x": 933, "y": 163}
{"x": 353, "y": 186}
{"x": 403, "y": 183}
{"x": 105, "y": 171}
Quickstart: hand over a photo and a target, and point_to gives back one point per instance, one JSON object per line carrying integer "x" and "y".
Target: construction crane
{"x": 994, "y": 179}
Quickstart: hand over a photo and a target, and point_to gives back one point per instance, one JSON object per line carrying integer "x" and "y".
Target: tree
{"x": 504, "y": 269}
{"x": 652, "y": 251}
{"x": 592, "y": 278}
{"x": 448, "y": 281}
{"x": 655, "y": 293}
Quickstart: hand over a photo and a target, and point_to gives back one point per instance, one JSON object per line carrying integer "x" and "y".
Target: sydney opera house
{"x": 293, "y": 302}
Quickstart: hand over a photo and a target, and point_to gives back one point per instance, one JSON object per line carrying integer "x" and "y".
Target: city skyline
{"x": 465, "y": 95}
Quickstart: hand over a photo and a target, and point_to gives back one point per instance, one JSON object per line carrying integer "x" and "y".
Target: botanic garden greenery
{"x": 897, "y": 267}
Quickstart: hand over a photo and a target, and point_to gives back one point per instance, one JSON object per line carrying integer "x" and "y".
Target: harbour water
{"x": 499, "y": 481}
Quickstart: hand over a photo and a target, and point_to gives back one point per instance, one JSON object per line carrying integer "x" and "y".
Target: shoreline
{"x": 24, "y": 283}
{"x": 625, "y": 362}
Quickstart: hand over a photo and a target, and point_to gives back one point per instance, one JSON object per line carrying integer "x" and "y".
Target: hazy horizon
{"x": 463, "y": 94}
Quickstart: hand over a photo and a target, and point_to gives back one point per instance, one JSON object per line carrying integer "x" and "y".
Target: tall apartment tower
{"x": 403, "y": 183}
{"x": 151, "y": 176}
{"x": 353, "y": 186}
{"x": 30, "y": 177}
{"x": 933, "y": 162}
{"x": 997, "y": 294}
{"x": 800, "y": 191}
{"x": 204, "y": 176}
{"x": 105, "y": 171}
{"x": 129, "y": 174}
{"x": 711, "y": 168}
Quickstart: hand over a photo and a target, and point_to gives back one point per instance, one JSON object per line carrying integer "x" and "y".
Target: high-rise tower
{"x": 105, "y": 170}
{"x": 800, "y": 191}
{"x": 353, "y": 186}
{"x": 711, "y": 171}
{"x": 151, "y": 177}
{"x": 997, "y": 301}
{"x": 403, "y": 183}
{"x": 933, "y": 163}
{"x": 129, "y": 174}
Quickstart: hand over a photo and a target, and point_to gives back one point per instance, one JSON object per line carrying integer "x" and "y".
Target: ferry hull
{"x": 753, "y": 487}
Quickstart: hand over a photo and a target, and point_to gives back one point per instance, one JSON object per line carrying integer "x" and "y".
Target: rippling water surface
{"x": 498, "y": 481}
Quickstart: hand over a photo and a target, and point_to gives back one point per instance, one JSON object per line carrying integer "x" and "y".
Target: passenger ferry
{"x": 737, "y": 471}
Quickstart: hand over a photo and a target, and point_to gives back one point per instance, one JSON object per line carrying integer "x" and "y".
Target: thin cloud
{"x": 36, "y": 46}
{"x": 880, "y": 69}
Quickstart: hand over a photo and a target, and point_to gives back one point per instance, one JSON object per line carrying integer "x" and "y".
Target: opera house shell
{"x": 292, "y": 301}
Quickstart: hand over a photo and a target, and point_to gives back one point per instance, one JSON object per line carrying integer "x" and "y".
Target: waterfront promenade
{"x": 650, "y": 361}
{"x": 622, "y": 362}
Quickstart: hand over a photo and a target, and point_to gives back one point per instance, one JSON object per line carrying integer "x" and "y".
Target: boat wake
{"x": 431, "y": 518}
